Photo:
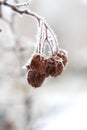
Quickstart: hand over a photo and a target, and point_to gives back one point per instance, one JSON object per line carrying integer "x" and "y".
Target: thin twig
{"x": 28, "y": 12}
{"x": 52, "y": 34}
{"x": 47, "y": 40}
{"x": 39, "y": 19}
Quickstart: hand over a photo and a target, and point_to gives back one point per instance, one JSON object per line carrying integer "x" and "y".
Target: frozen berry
{"x": 54, "y": 67}
{"x": 35, "y": 79}
{"x": 63, "y": 56}
{"x": 59, "y": 67}
{"x": 38, "y": 63}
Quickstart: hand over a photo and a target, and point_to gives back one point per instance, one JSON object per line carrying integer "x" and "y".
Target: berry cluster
{"x": 41, "y": 67}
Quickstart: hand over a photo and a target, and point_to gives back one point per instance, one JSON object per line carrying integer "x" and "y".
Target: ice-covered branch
{"x": 47, "y": 30}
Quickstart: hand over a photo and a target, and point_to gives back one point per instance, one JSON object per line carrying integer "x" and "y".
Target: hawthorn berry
{"x": 38, "y": 63}
{"x": 54, "y": 67}
{"x": 62, "y": 54}
{"x": 35, "y": 79}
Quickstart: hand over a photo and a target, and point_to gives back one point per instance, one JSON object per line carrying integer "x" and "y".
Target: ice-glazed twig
{"x": 43, "y": 27}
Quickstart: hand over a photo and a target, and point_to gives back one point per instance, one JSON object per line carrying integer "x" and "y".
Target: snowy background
{"x": 60, "y": 103}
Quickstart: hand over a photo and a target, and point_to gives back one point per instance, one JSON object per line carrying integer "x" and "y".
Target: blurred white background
{"x": 60, "y": 103}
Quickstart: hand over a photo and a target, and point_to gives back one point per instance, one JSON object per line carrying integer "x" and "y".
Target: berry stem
{"x": 47, "y": 39}
{"x": 41, "y": 23}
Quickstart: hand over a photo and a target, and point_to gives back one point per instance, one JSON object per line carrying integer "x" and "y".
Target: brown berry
{"x": 54, "y": 67}
{"x": 59, "y": 67}
{"x": 63, "y": 56}
{"x": 35, "y": 79}
{"x": 38, "y": 63}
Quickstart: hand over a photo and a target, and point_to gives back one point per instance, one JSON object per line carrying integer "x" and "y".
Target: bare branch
{"x": 28, "y": 12}
{"x": 39, "y": 18}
